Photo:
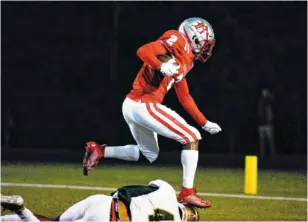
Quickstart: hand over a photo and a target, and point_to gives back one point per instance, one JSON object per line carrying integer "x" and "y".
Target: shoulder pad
{"x": 173, "y": 40}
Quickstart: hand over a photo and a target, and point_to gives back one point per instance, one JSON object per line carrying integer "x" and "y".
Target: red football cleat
{"x": 94, "y": 152}
{"x": 188, "y": 195}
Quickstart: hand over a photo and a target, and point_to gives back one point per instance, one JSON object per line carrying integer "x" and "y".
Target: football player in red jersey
{"x": 146, "y": 116}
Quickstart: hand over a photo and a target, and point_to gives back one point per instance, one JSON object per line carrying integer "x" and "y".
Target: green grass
{"x": 51, "y": 202}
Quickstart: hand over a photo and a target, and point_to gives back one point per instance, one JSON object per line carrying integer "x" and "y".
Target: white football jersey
{"x": 160, "y": 205}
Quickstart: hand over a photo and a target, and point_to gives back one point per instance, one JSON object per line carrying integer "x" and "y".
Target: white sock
{"x": 189, "y": 160}
{"x": 128, "y": 152}
{"x": 27, "y": 215}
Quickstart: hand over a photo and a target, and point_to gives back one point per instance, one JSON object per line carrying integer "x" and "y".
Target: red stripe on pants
{"x": 175, "y": 121}
{"x": 165, "y": 123}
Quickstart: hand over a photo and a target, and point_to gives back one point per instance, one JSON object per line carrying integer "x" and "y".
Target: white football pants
{"x": 146, "y": 120}
{"x": 93, "y": 208}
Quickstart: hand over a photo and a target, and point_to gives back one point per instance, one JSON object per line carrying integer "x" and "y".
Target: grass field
{"x": 51, "y": 201}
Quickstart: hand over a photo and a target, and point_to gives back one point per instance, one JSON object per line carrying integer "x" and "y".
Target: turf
{"x": 51, "y": 202}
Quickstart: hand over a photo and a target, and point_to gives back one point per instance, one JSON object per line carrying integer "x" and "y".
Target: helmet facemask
{"x": 206, "y": 50}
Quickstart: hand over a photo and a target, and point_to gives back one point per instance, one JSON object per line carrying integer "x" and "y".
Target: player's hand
{"x": 211, "y": 127}
{"x": 169, "y": 68}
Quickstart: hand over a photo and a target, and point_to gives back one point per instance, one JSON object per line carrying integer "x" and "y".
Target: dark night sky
{"x": 56, "y": 70}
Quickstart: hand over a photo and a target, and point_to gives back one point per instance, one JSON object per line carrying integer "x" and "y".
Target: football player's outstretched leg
{"x": 166, "y": 64}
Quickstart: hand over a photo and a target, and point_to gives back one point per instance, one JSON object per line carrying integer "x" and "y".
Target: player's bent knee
{"x": 191, "y": 136}
{"x": 151, "y": 157}
{"x": 193, "y": 143}
{"x": 149, "y": 152}
{"x": 196, "y": 133}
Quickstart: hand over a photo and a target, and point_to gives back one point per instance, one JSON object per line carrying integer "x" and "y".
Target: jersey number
{"x": 161, "y": 215}
{"x": 172, "y": 40}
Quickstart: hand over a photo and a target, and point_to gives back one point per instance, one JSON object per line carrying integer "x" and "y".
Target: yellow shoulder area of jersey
{"x": 123, "y": 211}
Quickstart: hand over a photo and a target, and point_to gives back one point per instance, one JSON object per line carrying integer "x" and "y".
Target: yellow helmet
{"x": 188, "y": 212}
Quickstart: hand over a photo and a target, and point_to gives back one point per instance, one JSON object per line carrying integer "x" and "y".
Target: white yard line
{"x": 113, "y": 189}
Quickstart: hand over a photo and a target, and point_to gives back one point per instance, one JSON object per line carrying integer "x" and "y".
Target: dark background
{"x": 67, "y": 66}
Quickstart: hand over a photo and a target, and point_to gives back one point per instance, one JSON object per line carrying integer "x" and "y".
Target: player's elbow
{"x": 141, "y": 52}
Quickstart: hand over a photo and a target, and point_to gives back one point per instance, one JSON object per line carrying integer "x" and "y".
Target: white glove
{"x": 169, "y": 68}
{"x": 211, "y": 127}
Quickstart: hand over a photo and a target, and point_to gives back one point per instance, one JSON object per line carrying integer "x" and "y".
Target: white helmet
{"x": 200, "y": 36}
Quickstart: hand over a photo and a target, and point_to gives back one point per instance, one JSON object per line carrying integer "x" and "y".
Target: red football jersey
{"x": 151, "y": 85}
